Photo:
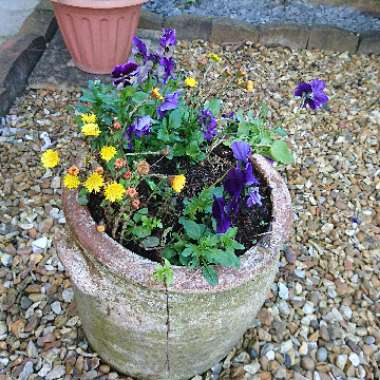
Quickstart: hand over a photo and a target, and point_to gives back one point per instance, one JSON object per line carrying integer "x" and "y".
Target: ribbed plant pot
{"x": 98, "y": 33}
{"x": 148, "y": 331}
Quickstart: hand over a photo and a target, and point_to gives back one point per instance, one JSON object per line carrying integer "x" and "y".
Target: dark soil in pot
{"x": 252, "y": 223}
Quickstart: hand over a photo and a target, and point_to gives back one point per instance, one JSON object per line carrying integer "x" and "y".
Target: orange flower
{"x": 143, "y": 167}
{"x": 119, "y": 163}
{"x": 73, "y": 170}
{"x": 155, "y": 93}
{"x": 117, "y": 125}
{"x": 99, "y": 170}
{"x": 136, "y": 204}
{"x": 132, "y": 192}
{"x": 127, "y": 175}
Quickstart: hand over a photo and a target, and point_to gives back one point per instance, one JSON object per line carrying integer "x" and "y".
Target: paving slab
{"x": 13, "y": 14}
{"x": 56, "y": 69}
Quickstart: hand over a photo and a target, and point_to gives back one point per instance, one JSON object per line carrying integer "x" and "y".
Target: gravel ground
{"x": 321, "y": 319}
{"x": 268, "y": 11}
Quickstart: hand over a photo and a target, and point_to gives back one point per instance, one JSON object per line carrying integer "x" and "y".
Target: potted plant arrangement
{"x": 175, "y": 217}
{"x": 98, "y": 33}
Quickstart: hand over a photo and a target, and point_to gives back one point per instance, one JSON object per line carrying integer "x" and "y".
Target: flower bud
{"x": 143, "y": 167}
{"x": 132, "y": 192}
{"x": 73, "y": 170}
{"x": 136, "y": 204}
{"x": 127, "y": 175}
{"x": 117, "y": 125}
{"x": 119, "y": 163}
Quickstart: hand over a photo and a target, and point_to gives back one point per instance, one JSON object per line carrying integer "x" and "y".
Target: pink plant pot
{"x": 98, "y": 33}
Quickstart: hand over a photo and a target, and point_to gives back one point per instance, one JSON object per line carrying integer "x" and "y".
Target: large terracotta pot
{"x": 148, "y": 331}
{"x": 98, "y": 33}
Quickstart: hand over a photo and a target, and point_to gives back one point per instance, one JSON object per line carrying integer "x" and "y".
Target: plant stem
{"x": 143, "y": 153}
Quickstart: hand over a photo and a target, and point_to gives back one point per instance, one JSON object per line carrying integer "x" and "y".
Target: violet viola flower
{"x": 241, "y": 150}
{"x": 312, "y": 94}
{"x": 168, "y": 65}
{"x": 168, "y": 38}
{"x": 140, "y": 48}
{"x": 254, "y": 197}
{"x": 142, "y": 126}
{"x": 170, "y": 103}
{"x": 124, "y": 73}
{"x": 250, "y": 178}
{"x": 235, "y": 181}
{"x": 223, "y": 222}
{"x": 209, "y": 124}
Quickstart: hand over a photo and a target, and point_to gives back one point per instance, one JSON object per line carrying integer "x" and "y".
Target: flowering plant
{"x": 169, "y": 175}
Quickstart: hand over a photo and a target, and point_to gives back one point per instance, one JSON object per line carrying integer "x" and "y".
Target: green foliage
{"x": 164, "y": 273}
{"x": 263, "y": 140}
{"x": 200, "y": 203}
{"x": 201, "y": 247}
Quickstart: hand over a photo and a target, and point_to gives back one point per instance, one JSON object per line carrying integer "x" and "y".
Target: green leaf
{"x": 175, "y": 119}
{"x": 193, "y": 230}
{"x": 224, "y": 258}
{"x": 139, "y": 97}
{"x": 168, "y": 253}
{"x": 163, "y": 134}
{"x": 280, "y": 132}
{"x": 83, "y": 197}
{"x": 164, "y": 273}
{"x": 214, "y": 106}
{"x": 210, "y": 275}
{"x": 151, "y": 242}
{"x": 280, "y": 152}
{"x": 141, "y": 232}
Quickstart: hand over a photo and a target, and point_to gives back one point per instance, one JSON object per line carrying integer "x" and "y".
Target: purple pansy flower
{"x": 170, "y": 103}
{"x": 141, "y": 126}
{"x": 168, "y": 38}
{"x": 209, "y": 124}
{"x": 223, "y": 222}
{"x": 168, "y": 65}
{"x": 241, "y": 150}
{"x": 140, "y": 48}
{"x": 250, "y": 178}
{"x": 312, "y": 94}
{"x": 235, "y": 181}
{"x": 254, "y": 197}
{"x": 123, "y": 74}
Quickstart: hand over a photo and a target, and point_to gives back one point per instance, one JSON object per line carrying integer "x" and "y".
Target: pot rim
{"x": 134, "y": 268}
{"x": 100, "y": 4}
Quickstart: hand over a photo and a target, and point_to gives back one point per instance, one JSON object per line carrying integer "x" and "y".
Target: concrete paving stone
{"x": 288, "y": 35}
{"x": 331, "y": 38}
{"x": 226, "y": 30}
{"x": 369, "y": 43}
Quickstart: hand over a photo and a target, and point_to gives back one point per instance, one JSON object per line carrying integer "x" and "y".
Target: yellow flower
{"x": 178, "y": 183}
{"x": 114, "y": 192}
{"x": 191, "y": 82}
{"x": 249, "y": 86}
{"x": 214, "y": 57}
{"x": 108, "y": 153}
{"x": 88, "y": 118}
{"x": 91, "y": 129}
{"x": 94, "y": 182}
{"x": 50, "y": 159}
{"x": 156, "y": 94}
{"x": 71, "y": 181}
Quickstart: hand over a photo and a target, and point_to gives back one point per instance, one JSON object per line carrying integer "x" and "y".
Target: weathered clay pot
{"x": 98, "y": 33}
{"x": 147, "y": 331}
